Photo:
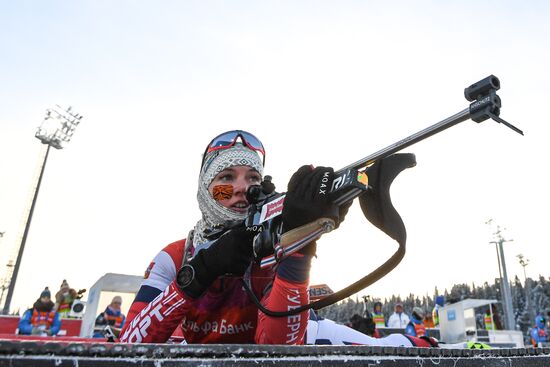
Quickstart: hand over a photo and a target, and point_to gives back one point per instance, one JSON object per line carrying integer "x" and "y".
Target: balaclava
{"x": 213, "y": 213}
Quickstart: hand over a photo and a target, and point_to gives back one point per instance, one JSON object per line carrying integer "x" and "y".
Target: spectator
{"x": 492, "y": 319}
{"x": 538, "y": 333}
{"x": 429, "y": 321}
{"x": 64, "y": 299}
{"x": 41, "y": 319}
{"x": 399, "y": 319}
{"x": 112, "y": 316}
{"x": 416, "y": 327}
{"x": 439, "y": 302}
{"x": 378, "y": 316}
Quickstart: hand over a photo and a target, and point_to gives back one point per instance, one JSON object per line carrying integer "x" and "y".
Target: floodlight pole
{"x": 68, "y": 122}
{"x": 507, "y": 294}
{"x": 11, "y": 287}
{"x": 524, "y": 262}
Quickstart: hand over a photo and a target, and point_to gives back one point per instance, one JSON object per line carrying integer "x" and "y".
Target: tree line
{"x": 525, "y": 309}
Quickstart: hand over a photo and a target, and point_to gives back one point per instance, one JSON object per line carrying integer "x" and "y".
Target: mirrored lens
{"x": 224, "y": 140}
{"x": 252, "y": 141}
{"x": 227, "y": 140}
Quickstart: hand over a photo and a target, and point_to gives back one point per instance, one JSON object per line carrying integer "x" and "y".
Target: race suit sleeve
{"x": 156, "y": 322}
{"x": 159, "y": 305}
{"x": 289, "y": 291}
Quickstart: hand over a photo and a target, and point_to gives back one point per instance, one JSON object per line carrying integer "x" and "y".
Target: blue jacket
{"x": 538, "y": 335}
{"x": 26, "y": 323}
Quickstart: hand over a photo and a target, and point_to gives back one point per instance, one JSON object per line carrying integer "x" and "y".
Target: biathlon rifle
{"x": 369, "y": 179}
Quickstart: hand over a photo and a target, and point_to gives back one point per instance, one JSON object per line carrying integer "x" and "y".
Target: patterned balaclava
{"x": 213, "y": 213}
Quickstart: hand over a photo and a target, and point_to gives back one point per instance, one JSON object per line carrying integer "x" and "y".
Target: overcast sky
{"x": 319, "y": 82}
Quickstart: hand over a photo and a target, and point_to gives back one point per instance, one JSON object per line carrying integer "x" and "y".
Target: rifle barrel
{"x": 410, "y": 140}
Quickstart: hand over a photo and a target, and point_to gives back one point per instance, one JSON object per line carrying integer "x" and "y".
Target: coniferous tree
{"x": 519, "y": 304}
{"x": 539, "y": 298}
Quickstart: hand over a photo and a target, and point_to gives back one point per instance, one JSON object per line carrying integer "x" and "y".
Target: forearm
{"x": 157, "y": 320}
{"x": 25, "y": 327}
{"x": 289, "y": 292}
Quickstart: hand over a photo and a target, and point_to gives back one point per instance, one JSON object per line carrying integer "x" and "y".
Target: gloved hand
{"x": 307, "y": 198}
{"x": 230, "y": 254}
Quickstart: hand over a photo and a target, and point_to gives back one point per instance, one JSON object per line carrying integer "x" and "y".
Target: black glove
{"x": 230, "y": 254}
{"x": 307, "y": 198}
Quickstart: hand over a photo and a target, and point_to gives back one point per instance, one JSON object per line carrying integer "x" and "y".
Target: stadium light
{"x": 58, "y": 126}
{"x": 56, "y": 129}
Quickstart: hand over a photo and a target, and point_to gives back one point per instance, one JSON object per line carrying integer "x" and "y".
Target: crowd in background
{"x": 418, "y": 321}
{"x": 414, "y": 323}
{"x": 44, "y": 318}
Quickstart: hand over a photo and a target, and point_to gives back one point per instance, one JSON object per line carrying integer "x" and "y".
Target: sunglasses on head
{"x": 229, "y": 138}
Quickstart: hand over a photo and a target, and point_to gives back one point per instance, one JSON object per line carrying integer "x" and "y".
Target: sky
{"x": 319, "y": 82}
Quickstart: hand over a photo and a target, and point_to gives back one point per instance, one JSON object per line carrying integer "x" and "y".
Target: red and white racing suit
{"x": 225, "y": 313}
